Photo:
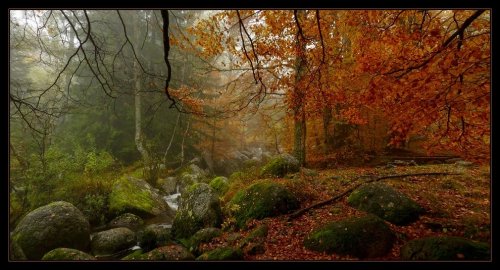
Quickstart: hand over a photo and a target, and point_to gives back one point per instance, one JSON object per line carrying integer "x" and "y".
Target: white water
{"x": 173, "y": 199}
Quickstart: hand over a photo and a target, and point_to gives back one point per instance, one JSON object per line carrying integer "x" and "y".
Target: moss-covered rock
{"x": 385, "y": 202}
{"x": 109, "y": 242}
{"x": 199, "y": 208}
{"x": 220, "y": 184}
{"x": 262, "y": 199}
{"x": 205, "y": 235}
{"x": 154, "y": 236}
{"x": 364, "y": 237}
{"x": 136, "y": 196}
{"x": 445, "y": 248}
{"x": 254, "y": 242}
{"x": 168, "y": 253}
{"x": 280, "y": 166}
{"x": 15, "y": 251}
{"x": 58, "y": 224}
{"x": 201, "y": 236}
{"x": 66, "y": 254}
{"x": 127, "y": 220}
{"x": 220, "y": 254}
{"x": 136, "y": 255}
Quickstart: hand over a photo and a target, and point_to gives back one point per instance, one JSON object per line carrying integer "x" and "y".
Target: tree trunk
{"x": 299, "y": 146}
{"x": 139, "y": 137}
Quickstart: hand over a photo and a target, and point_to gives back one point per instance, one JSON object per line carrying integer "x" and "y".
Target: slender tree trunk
{"x": 327, "y": 119}
{"x": 139, "y": 137}
{"x": 299, "y": 146}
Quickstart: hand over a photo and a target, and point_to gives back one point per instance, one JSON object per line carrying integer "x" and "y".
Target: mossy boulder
{"x": 154, "y": 236}
{"x": 136, "y": 255}
{"x": 387, "y": 203}
{"x": 127, "y": 220}
{"x": 220, "y": 184}
{"x": 189, "y": 175}
{"x": 132, "y": 195}
{"x": 66, "y": 254}
{"x": 199, "y": 208}
{"x": 58, "y": 224}
{"x": 111, "y": 241}
{"x": 445, "y": 248}
{"x": 168, "y": 253}
{"x": 222, "y": 254}
{"x": 15, "y": 251}
{"x": 262, "y": 199}
{"x": 206, "y": 234}
{"x": 254, "y": 242}
{"x": 280, "y": 166}
{"x": 364, "y": 237}
{"x": 201, "y": 236}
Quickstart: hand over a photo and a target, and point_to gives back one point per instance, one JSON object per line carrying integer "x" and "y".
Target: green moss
{"x": 127, "y": 198}
{"x": 224, "y": 253}
{"x": 259, "y": 232}
{"x": 445, "y": 248}
{"x": 279, "y": 167}
{"x": 236, "y": 176}
{"x": 367, "y": 236}
{"x": 136, "y": 255}
{"x": 201, "y": 236}
{"x": 66, "y": 254}
{"x": 262, "y": 199}
{"x": 220, "y": 184}
{"x": 385, "y": 202}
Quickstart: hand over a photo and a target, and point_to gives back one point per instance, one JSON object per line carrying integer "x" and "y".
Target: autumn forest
{"x": 244, "y": 135}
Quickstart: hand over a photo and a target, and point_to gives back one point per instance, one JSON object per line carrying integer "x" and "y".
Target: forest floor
{"x": 456, "y": 205}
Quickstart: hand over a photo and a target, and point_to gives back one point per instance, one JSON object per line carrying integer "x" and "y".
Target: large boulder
{"x": 58, "y": 224}
{"x": 112, "y": 241}
{"x": 364, "y": 237}
{"x": 445, "y": 248}
{"x": 222, "y": 254}
{"x": 154, "y": 236}
{"x": 220, "y": 184}
{"x": 199, "y": 208}
{"x": 262, "y": 199}
{"x": 168, "y": 253}
{"x": 280, "y": 166}
{"x": 67, "y": 254}
{"x": 385, "y": 202}
{"x": 138, "y": 197}
{"x": 127, "y": 220}
{"x": 190, "y": 175}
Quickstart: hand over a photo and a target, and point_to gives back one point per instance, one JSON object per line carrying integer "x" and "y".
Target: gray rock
{"x": 58, "y": 224}
{"x": 154, "y": 236}
{"x": 127, "y": 220}
{"x": 168, "y": 253}
{"x": 109, "y": 242}
{"x": 199, "y": 208}
{"x": 67, "y": 254}
{"x": 168, "y": 185}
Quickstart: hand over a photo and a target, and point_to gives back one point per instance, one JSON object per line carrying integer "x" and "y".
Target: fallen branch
{"x": 339, "y": 196}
